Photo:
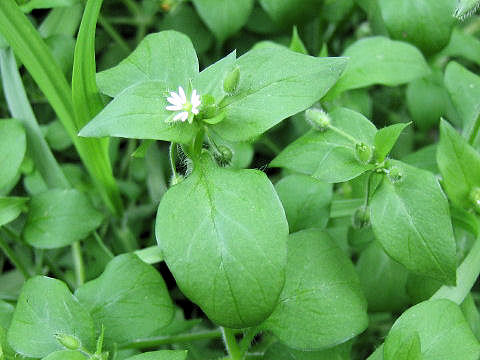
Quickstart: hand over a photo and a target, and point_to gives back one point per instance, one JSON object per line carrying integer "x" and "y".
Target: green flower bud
{"x": 70, "y": 342}
{"x": 230, "y": 83}
{"x": 361, "y": 217}
{"x": 475, "y": 198}
{"x": 318, "y": 119}
{"x": 363, "y": 153}
{"x": 209, "y": 108}
{"x": 223, "y": 154}
{"x": 395, "y": 174}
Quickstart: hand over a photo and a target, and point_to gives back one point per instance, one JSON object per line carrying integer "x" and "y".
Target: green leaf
{"x": 130, "y": 299}
{"x": 411, "y": 219}
{"x": 186, "y": 20}
{"x": 30, "y": 48}
{"x": 408, "y": 348}
{"x": 379, "y": 60}
{"x": 275, "y": 83}
{"x": 383, "y": 280}
{"x": 459, "y": 165}
{"x": 224, "y": 17}
{"x": 296, "y": 44}
{"x": 279, "y": 351}
{"x": 87, "y": 101}
{"x": 328, "y": 155}
{"x": 427, "y": 101}
{"x": 228, "y": 250}
{"x": 463, "y": 45}
{"x": 10, "y": 208}
{"x": 60, "y": 217}
{"x": 306, "y": 201}
{"x": 161, "y": 355}
{"x": 322, "y": 303}
{"x": 427, "y": 24}
{"x": 210, "y": 80}
{"x": 6, "y": 312}
{"x": 46, "y": 4}
{"x": 386, "y": 138}
{"x": 464, "y": 89}
{"x": 13, "y": 145}
{"x": 423, "y": 158}
{"x": 442, "y": 330}
{"x": 139, "y": 112}
{"x": 65, "y": 355}
{"x": 46, "y": 308}
{"x": 167, "y": 56}
{"x": 288, "y": 12}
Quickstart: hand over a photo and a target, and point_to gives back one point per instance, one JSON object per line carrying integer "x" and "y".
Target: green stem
{"x": 247, "y": 339}
{"x": 78, "y": 263}
{"x": 172, "y": 156}
{"x": 343, "y": 133}
{"x": 173, "y": 339}
{"x": 14, "y": 259}
{"x": 102, "y": 245}
{"x": 107, "y": 26}
{"x": 231, "y": 344}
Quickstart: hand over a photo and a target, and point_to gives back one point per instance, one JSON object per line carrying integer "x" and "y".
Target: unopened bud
{"x": 223, "y": 155}
{"x": 70, "y": 342}
{"x": 395, "y": 174}
{"x": 363, "y": 152}
{"x": 361, "y": 217}
{"x": 318, "y": 119}
{"x": 209, "y": 108}
{"x": 475, "y": 198}
{"x": 230, "y": 83}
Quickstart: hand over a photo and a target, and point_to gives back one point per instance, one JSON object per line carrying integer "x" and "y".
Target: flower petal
{"x": 175, "y": 96}
{"x": 181, "y": 116}
{"x": 181, "y": 92}
{"x": 174, "y": 107}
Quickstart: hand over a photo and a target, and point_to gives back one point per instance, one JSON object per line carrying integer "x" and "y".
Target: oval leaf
{"x": 224, "y": 17}
{"x": 60, "y": 217}
{"x": 379, "y": 60}
{"x": 275, "y": 83}
{"x": 130, "y": 299}
{"x": 223, "y": 233}
{"x": 322, "y": 291}
{"x": 327, "y": 155}
{"x": 443, "y": 331}
{"x": 167, "y": 56}
{"x": 411, "y": 219}
{"x": 45, "y": 309}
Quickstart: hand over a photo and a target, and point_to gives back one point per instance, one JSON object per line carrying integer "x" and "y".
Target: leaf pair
{"x": 409, "y": 212}
{"x": 274, "y": 83}
{"x": 129, "y": 299}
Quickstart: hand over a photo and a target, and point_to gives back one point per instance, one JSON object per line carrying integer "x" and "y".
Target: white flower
{"x": 188, "y": 109}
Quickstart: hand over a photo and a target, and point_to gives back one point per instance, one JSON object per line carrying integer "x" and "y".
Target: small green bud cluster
{"x": 395, "y": 174}
{"x": 364, "y": 153}
{"x": 68, "y": 341}
{"x": 209, "y": 108}
{"x": 223, "y": 155}
{"x": 231, "y": 81}
{"x": 318, "y": 119}
{"x": 361, "y": 217}
{"x": 475, "y": 198}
